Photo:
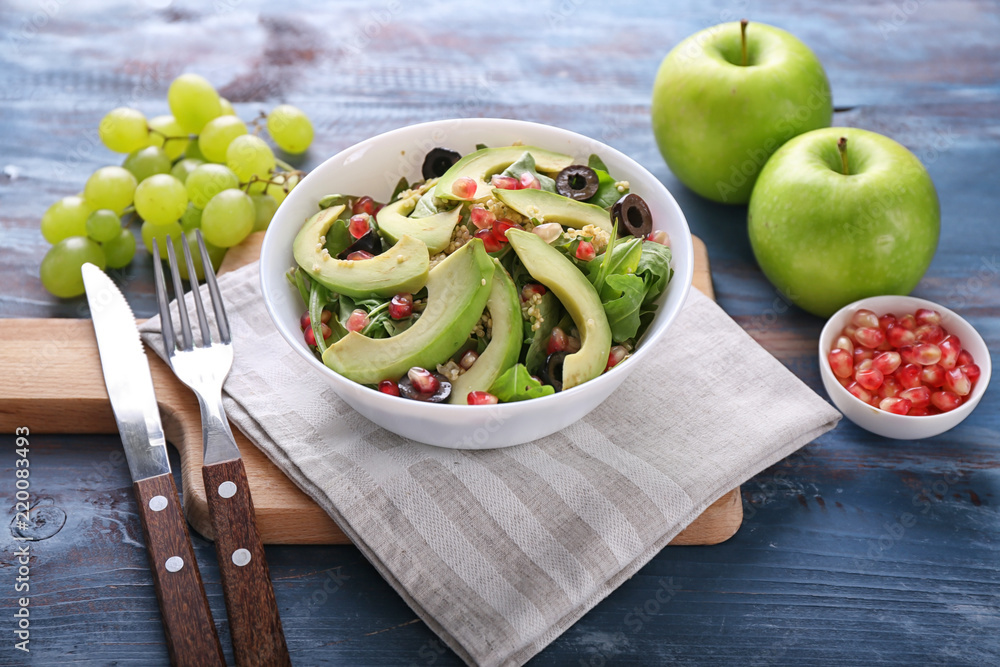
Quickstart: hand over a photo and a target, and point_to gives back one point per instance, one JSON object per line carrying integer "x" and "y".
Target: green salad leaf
{"x": 338, "y": 237}
{"x": 426, "y": 206}
{"x": 654, "y": 269}
{"x": 330, "y": 201}
{"x": 607, "y": 194}
{"x": 551, "y": 311}
{"x": 624, "y": 312}
{"x": 596, "y": 163}
{"x": 526, "y": 164}
{"x": 516, "y": 384}
{"x": 403, "y": 184}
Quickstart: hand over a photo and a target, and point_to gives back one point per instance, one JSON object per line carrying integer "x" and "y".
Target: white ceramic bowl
{"x": 890, "y": 425}
{"x": 373, "y": 167}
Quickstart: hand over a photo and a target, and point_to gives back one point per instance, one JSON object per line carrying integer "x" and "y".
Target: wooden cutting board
{"x": 51, "y": 382}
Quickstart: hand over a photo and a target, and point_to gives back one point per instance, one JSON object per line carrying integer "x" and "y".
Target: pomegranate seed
{"x": 363, "y": 205}
{"x": 388, "y": 387}
{"x": 927, "y": 316}
{"x": 890, "y": 387}
{"x": 360, "y": 256}
{"x": 965, "y": 358}
{"x": 464, "y": 188}
{"x": 845, "y": 381}
{"x": 529, "y": 182}
{"x": 548, "y": 231}
{"x": 505, "y": 182}
{"x": 305, "y": 321}
{"x": 888, "y": 362}
{"x": 310, "y": 336}
{"x": 401, "y": 306}
{"x": 357, "y": 321}
{"x": 898, "y": 335}
{"x": 844, "y": 343}
{"x": 862, "y": 353}
{"x": 932, "y": 376}
{"x": 841, "y": 362}
{"x": 971, "y": 371}
{"x": 869, "y": 378}
{"x": 557, "y": 341}
{"x": 918, "y": 412}
{"x": 481, "y": 217}
{"x": 489, "y": 240}
{"x": 957, "y": 382}
{"x": 501, "y": 227}
{"x": 481, "y": 398}
{"x": 929, "y": 333}
{"x": 531, "y": 289}
{"x": 945, "y": 401}
{"x": 358, "y": 225}
{"x": 849, "y": 331}
{"x": 907, "y": 322}
{"x": 919, "y": 397}
{"x": 423, "y": 380}
{"x": 865, "y": 365}
{"x": 908, "y": 376}
{"x": 585, "y": 251}
{"x": 615, "y": 357}
{"x": 468, "y": 359}
{"x": 897, "y": 406}
{"x": 859, "y": 392}
{"x": 927, "y": 353}
{"x": 886, "y": 320}
{"x": 377, "y": 209}
{"x": 951, "y": 347}
{"x": 865, "y": 318}
{"x": 659, "y": 236}
{"x": 869, "y": 337}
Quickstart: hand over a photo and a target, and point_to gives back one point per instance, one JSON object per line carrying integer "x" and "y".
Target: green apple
{"x": 725, "y": 99}
{"x": 835, "y": 221}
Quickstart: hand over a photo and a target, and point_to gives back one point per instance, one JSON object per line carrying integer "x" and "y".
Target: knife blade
{"x": 187, "y": 619}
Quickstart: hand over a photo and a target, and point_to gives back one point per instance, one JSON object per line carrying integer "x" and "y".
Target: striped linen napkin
{"x": 500, "y": 551}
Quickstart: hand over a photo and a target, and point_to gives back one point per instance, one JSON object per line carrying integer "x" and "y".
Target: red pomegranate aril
{"x": 929, "y": 333}
{"x": 844, "y": 382}
{"x": 927, "y": 316}
{"x": 898, "y": 336}
{"x": 897, "y": 406}
{"x": 357, "y": 321}
{"x": 951, "y": 347}
{"x": 849, "y": 331}
{"x": 869, "y": 337}
{"x": 531, "y": 289}
{"x": 401, "y": 306}
{"x": 363, "y": 205}
{"x": 927, "y": 353}
{"x": 971, "y": 371}
{"x": 358, "y": 225}
{"x": 423, "y": 380}
{"x": 908, "y": 376}
{"x": 965, "y": 358}
{"x": 890, "y": 387}
{"x": 615, "y": 357}
{"x": 529, "y": 182}
{"x": 869, "y": 378}
{"x": 468, "y": 359}
{"x": 887, "y": 362}
{"x": 932, "y": 376}
{"x": 557, "y": 341}
{"x": 310, "y": 335}
{"x": 918, "y": 412}
{"x": 489, "y": 240}
{"x": 464, "y": 188}
{"x": 945, "y": 401}
{"x": 907, "y": 322}
{"x": 862, "y": 353}
{"x": 585, "y": 251}
{"x": 659, "y": 236}
{"x": 844, "y": 343}
{"x": 388, "y": 387}
{"x": 501, "y": 227}
{"x": 919, "y": 396}
{"x": 885, "y": 320}
{"x": 360, "y": 256}
{"x": 841, "y": 363}
{"x": 505, "y": 182}
{"x": 481, "y": 217}
{"x": 481, "y": 398}
{"x": 957, "y": 382}
{"x": 865, "y": 318}
{"x": 859, "y": 392}
{"x": 305, "y": 321}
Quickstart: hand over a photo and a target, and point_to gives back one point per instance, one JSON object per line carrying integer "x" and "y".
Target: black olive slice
{"x": 551, "y": 372}
{"x": 438, "y": 161}
{"x": 633, "y": 216}
{"x": 407, "y": 390}
{"x": 577, "y": 181}
{"x": 370, "y": 243}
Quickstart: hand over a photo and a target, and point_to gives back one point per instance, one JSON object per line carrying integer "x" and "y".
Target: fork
{"x": 254, "y": 622}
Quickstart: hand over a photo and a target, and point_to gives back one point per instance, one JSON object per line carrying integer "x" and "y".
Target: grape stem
{"x": 842, "y": 147}
{"x": 166, "y": 138}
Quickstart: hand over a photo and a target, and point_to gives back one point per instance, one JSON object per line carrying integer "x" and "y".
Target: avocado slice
{"x": 504, "y": 348}
{"x": 435, "y": 230}
{"x": 401, "y": 268}
{"x": 549, "y": 267}
{"x": 457, "y": 290}
{"x": 483, "y": 163}
{"x": 553, "y": 207}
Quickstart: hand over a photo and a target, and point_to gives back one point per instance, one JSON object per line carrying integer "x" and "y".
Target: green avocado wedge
{"x": 401, "y": 268}
{"x": 504, "y": 348}
{"x": 552, "y": 207}
{"x": 485, "y": 162}
{"x": 549, "y": 267}
{"x": 434, "y": 230}
{"x": 457, "y": 290}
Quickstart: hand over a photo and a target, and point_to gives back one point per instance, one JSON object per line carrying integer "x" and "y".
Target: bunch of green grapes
{"x": 199, "y": 167}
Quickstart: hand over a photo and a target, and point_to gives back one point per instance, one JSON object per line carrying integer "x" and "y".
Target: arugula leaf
{"x": 654, "y": 269}
{"x": 480, "y": 147}
{"x": 607, "y": 194}
{"x": 516, "y": 384}
{"x": 426, "y": 206}
{"x": 624, "y": 260}
{"x": 338, "y": 237}
{"x": 330, "y": 201}
{"x": 298, "y": 281}
{"x": 624, "y": 312}
{"x": 403, "y": 184}
{"x": 526, "y": 164}
{"x": 596, "y": 163}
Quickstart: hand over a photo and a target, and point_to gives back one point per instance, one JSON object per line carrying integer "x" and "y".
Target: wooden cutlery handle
{"x": 246, "y": 582}
{"x": 187, "y": 619}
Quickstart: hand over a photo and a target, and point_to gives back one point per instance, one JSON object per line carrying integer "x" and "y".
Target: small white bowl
{"x": 373, "y": 167}
{"x": 880, "y": 422}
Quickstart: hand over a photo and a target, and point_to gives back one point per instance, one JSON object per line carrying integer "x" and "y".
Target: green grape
{"x": 161, "y": 199}
{"x": 191, "y": 218}
{"x": 282, "y": 181}
{"x": 67, "y": 217}
{"x": 184, "y": 167}
{"x": 227, "y": 107}
{"x": 249, "y": 156}
{"x": 264, "y": 207}
{"x": 290, "y": 128}
{"x": 110, "y": 187}
{"x": 208, "y": 180}
{"x": 166, "y": 136}
{"x": 217, "y": 135}
{"x": 120, "y": 250}
{"x": 193, "y": 101}
{"x": 124, "y": 130}
{"x": 161, "y": 232}
{"x": 103, "y": 225}
{"x": 215, "y": 255}
{"x": 146, "y": 162}
{"x": 228, "y": 218}
{"x": 60, "y": 269}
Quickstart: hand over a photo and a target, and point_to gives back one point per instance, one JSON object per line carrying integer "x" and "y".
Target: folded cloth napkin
{"x": 500, "y": 551}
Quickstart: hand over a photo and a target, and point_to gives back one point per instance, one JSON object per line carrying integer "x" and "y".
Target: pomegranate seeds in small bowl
{"x": 903, "y": 367}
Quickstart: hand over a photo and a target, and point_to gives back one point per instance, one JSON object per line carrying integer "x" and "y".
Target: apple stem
{"x": 842, "y": 147}
{"x": 743, "y": 40}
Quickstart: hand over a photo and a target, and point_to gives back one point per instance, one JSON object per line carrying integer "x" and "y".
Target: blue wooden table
{"x": 857, "y": 550}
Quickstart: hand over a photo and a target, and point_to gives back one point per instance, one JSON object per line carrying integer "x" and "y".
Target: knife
{"x": 187, "y": 618}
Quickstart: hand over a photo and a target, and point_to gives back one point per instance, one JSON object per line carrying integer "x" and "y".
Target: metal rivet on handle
{"x": 241, "y": 557}
{"x": 227, "y": 489}
{"x": 174, "y": 563}
{"x": 157, "y": 503}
